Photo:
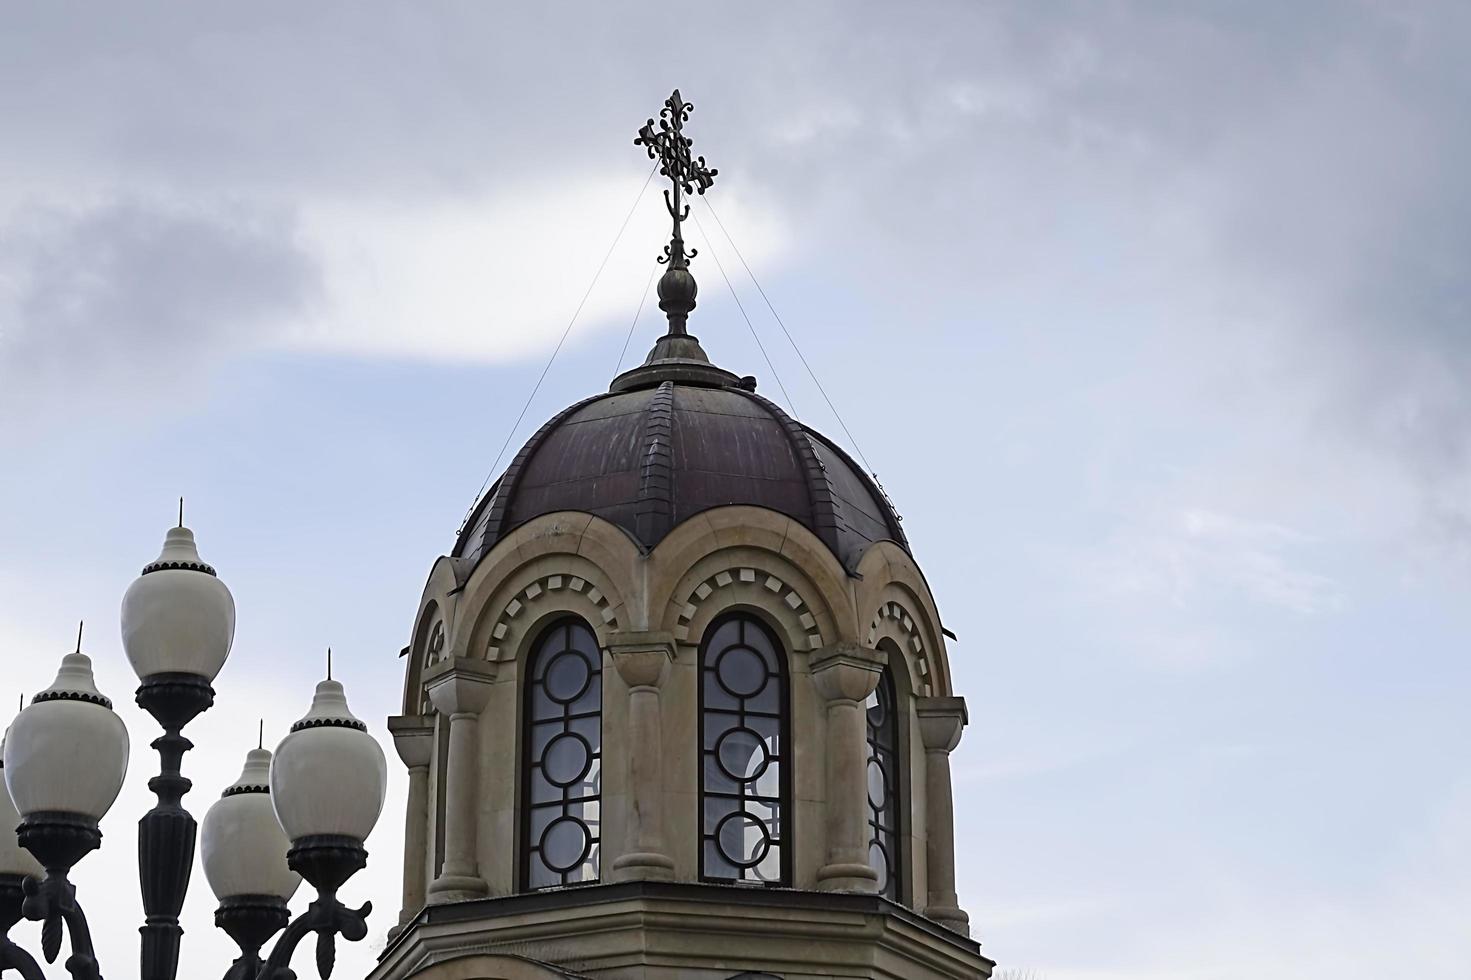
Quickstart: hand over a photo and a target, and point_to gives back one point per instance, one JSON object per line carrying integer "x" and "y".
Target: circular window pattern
{"x": 878, "y": 784}
{"x": 878, "y": 859}
{"x": 566, "y": 759}
{"x": 743, "y": 785}
{"x": 567, "y": 676}
{"x": 564, "y": 844}
{"x": 742, "y": 755}
{"x": 562, "y": 757}
{"x": 884, "y": 786}
{"x": 743, "y": 839}
{"x": 741, "y": 671}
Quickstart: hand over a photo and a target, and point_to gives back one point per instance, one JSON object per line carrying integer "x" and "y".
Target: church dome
{"x": 642, "y": 690}
{"x": 672, "y": 438}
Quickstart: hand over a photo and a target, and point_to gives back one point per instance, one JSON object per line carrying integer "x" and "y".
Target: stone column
{"x": 642, "y": 660}
{"x": 413, "y": 736}
{"x": 846, "y": 674}
{"x": 940, "y": 723}
{"x": 459, "y": 689}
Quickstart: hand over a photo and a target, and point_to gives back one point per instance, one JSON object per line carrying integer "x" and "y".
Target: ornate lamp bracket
{"x": 12, "y": 957}
{"x": 326, "y": 862}
{"x": 59, "y": 841}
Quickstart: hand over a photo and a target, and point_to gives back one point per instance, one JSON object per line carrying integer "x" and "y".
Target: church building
{"x": 677, "y": 703}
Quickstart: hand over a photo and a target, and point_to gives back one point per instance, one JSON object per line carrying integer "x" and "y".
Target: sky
{"x": 1151, "y": 317}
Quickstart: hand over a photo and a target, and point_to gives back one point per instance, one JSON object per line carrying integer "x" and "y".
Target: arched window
{"x": 884, "y": 787}
{"x": 744, "y": 779}
{"x": 562, "y": 759}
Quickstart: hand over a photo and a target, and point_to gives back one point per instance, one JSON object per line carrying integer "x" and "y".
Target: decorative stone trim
{"x": 183, "y": 566}
{"x": 238, "y": 790}
{"x": 91, "y": 697}
{"x": 434, "y": 646}
{"x": 352, "y": 723}
{"x": 788, "y": 595}
{"x": 913, "y": 638}
{"x": 548, "y": 583}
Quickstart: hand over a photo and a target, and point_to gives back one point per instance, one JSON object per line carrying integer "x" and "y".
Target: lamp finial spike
{"x": 329, "y": 663}
{"x": 181, "y": 511}
{"x": 80, "y": 624}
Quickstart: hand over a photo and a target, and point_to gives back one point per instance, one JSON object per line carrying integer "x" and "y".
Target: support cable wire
{"x": 638, "y": 313}
{"x": 709, "y": 243}
{"x": 556, "y": 350}
{"x": 790, "y": 339}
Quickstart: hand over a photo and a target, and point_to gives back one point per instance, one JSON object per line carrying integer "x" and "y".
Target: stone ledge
{"x": 678, "y": 929}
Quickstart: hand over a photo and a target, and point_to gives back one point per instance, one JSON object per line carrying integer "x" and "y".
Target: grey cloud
{"x": 1294, "y": 165}
{"x": 123, "y": 295}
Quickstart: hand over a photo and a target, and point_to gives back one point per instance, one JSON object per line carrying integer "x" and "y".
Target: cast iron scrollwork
{"x": 326, "y": 863}
{"x": 58, "y": 841}
{"x": 12, "y": 957}
{"x": 328, "y": 918}
{"x": 666, "y": 143}
{"x": 53, "y": 900}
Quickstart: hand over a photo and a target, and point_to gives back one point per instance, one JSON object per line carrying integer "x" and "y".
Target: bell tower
{"x": 677, "y": 703}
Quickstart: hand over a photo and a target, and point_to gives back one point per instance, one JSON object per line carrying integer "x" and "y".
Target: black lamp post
{"x": 306, "y": 811}
{"x": 178, "y": 622}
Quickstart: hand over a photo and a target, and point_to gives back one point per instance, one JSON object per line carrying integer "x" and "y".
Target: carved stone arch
{"x": 511, "y": 619}
{"x": 426, "y": 650}
{"x": 748, "y": 585}
{"x": 894, "y": 621}
{"x": 437, "y": 607}
{"x": 900, "y": 665}
{"x": 890, "y": 575}
{"x": 683, "y": 560}
{"x": 567, "y": 543}
{"x": 753, "y": 579}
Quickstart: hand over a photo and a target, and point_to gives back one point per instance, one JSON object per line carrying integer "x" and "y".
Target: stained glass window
{"x": 562, "y": 761}
{"x": 883, "y": 786}
{"x": 743, "y": 749}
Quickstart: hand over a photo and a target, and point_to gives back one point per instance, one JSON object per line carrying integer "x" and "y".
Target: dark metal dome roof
{"x": 674, "y": 437}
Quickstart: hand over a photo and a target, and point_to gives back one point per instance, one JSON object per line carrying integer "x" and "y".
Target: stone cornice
{"x": 941, "y": 721}
{"x": 785, "y": 927}
{"x": 413, "y": 736}
{"x": 847, "y": 671}
{"x": 642, "y": 657}
{"x": 460, "y": 684}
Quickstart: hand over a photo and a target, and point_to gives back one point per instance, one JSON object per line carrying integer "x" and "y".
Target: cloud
{"x": 497, "y": 275}
{"x": 1195, "y": 553}
{"x": 126, "y": 296}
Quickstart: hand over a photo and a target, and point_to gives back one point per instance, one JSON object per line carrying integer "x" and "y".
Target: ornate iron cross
{"x": 687, "y": 174}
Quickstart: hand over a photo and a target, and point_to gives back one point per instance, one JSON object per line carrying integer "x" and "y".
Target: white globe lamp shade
{"x": 177, "y": 616}
{"x": 241, "y": 842}
{"x": 329, "y": 775}
{"x": 67, "y": 752}
{"x": 14, "y": 859}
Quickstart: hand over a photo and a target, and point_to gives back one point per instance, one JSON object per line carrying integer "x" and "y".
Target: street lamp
{"x": 178, "y": 621}
{"x": 244, "y": 852}
{"x": 304, "y": 813}
{"x": 65, "y": 759}
{"x": 328, "y": 780}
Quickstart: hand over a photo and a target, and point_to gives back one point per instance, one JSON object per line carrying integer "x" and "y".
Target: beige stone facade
{"x": 466, "y": 913}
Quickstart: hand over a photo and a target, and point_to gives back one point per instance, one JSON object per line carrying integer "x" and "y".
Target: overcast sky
{"x": 1153, "y": 319}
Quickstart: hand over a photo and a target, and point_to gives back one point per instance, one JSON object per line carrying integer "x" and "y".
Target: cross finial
{"x": 665, "y": 141}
